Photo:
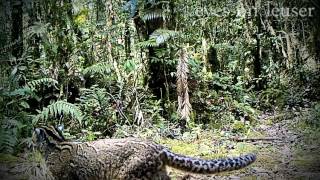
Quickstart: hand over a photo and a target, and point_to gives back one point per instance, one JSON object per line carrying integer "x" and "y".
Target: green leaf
{"x": 24, "y": 104}
{"x": 130, "y": 65}
{"x": 21, "y": 68}
{"x": 14, "y": 71}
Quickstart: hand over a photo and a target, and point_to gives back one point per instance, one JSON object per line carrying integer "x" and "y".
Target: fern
{"x": 158, "y": 37}
{"x": 94, "y": 97}
{"x": 98, "y": 68}
{"x": 152, "y": 15}
{"x": 8, "y": 135}
{"x": 37, "y": 28}
{"x": 7, "y": 141}
{"x": 24, "y": 91}
{"x": 162, "y": 35}
{"x": 59, "y": 108}
{"x": 148, "y": 43}
{"x": 33, "y": 85}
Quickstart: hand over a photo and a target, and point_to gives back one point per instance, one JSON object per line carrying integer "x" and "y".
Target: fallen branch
{"x": 254, "y": 139}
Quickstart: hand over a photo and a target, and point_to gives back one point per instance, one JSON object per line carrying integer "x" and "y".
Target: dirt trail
{"x": 293, "y": 143}
{"x": 284, "y": 153}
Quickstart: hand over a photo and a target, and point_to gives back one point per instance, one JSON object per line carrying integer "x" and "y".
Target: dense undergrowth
{"x": 148, "y": 69}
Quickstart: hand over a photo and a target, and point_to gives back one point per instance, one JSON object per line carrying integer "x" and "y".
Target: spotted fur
{"x": 128, "y": 158}
{"x": 203, "y": 166}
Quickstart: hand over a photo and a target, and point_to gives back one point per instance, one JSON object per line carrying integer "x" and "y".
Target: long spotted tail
{"x": 196, "y": 165}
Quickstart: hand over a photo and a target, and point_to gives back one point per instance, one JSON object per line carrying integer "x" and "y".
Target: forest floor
{"x": 286, "y": 148}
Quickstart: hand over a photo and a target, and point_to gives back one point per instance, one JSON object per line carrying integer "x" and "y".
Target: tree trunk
{"x": 16, "y": 31}
{"x": 257, "y": 56}
{"x": 127, "y": 39}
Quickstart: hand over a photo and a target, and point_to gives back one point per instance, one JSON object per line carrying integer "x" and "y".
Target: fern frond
{"x": 37, "y": 28}
{"x": 163, "y": 35}
{"x": 148, "y": 43}
{"x": 157, "y": 38}
{"x": 8, "y": 141}
{"x": 18, "y": 92}
{"x": 152, "y": 15}
{"x": 94, "y": 96}
{"x": 59, "y": 108}
{"x": 44, "y": 81}
{"x": 8, "y": 135}
{"x": 98, "y": 68}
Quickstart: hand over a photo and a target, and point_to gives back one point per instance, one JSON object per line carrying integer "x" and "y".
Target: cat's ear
{"x": 38, "y": 135}
{"x": 60, "y": 127}
{"x": 37, "y": 131}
